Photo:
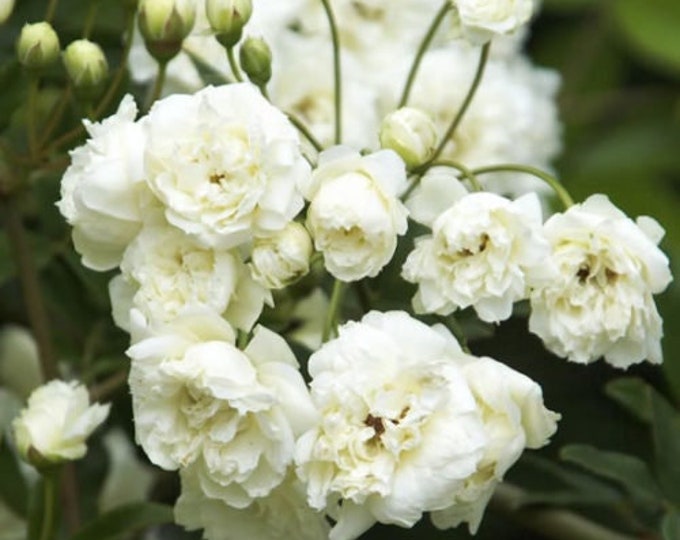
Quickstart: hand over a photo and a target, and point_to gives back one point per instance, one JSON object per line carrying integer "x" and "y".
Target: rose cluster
{"x": 211, "y": 203}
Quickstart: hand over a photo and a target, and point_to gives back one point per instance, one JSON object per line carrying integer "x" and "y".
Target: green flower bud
{"x": 86, "y": 66}
{"x": 227, "y": 19}
{"x": 256, "y": 60}
{"x": 6, "y": 7}
{"x": 38, "y": 45}
{"x": 164, "y": 24}
{"x": 411, "y": 133}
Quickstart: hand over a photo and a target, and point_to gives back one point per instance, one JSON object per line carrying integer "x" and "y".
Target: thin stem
{"x": 30, "y": 285}
{"x": 89, "y": 21}
{"x": 51, "y": 9}
{"x": 306, "y": 133}
{"x": 422, "y": 49}
{"x": 337, "y": 71}
{"x": 158, "y": 85}
{"x": 55, "y": 117}
{"x": 233, "y": 64}
{"x": 551, "y": 523}
{"x": 120, "y": 71}
{"x": 333, "y": 308}
{"x": 69, "y": 497}
{"x": 483, "y": 57}
{"x": 467, "y": 173}
{"x": 32, "y": 113}
{"x": 49, "y": 486}
{"x": 553, "y": 182}
{"x": 109, "y": 386}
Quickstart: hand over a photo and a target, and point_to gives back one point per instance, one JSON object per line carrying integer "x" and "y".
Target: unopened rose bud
{"x": 164, "y": 24}
{"x": 6, "y": 7}
{"x": 55, "y": 424}
{"x": 279, "y": 260}
{"x": 256, "y": 60}
{"x": 227, "y": 19}
{"x": 411, "y": 133}
{"x": 38, "y": 45}
{"x": 86, "y": 66}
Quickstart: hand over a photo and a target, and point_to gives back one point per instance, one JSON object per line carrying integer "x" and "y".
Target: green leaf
{"x": 651, "y": 28}
{"x": 633, "y": 394}
{"x": 666, "y": 434}
{"x": 584, "y": 489}
{"x": 125, "y": 519}
{"x": 13, "y": 490}
{"x": 670, "y": 526}
{"x": 630, "y": 472}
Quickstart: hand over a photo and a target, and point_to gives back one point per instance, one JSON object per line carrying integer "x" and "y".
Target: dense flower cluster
{"x": 219, "y": 203}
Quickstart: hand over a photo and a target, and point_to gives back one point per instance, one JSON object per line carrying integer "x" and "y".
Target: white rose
{"x": 57, "y": 421}
{"x": 230, "y": 415}
{"x": 225, "y": 163}
{"x": 278, "y": 260}
{"x": 481, "y": 20}
{"x": 166, "y": 272}
{"x": 283, "y": 513}
{"x": 485, "y": 251}
{"x": 103, "y": 194}
{"x": 514, "y": 419}
{"x": 601, "y": 302}
{"x": 399, "y": 430}
{"x": 355, "y": 215}
{"x": 438, "y": 190}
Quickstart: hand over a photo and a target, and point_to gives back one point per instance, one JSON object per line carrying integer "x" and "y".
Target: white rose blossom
{"x": 601, "y": 303}
{"x": 279, "y": 260}
{"x": 225, "y": 163}
{"x": 283, "y": 513}
{"x": 399, "y": 431}
{"x": 56, "y": 423}
{"x": 165, "y": 272}
{"x": 103, "y": 194}
{"x": 481, "y": 20}
{"x": 354, "y": 214}
{"x": 230, "y": 416}
{"x": 485, "y": 251}
{"x": 514, "y": 419}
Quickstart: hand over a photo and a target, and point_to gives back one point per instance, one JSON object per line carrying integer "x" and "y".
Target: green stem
{"x": 337, "y": 72}
{"x": 553, "y": 182}
{"x": 158, "y": 85}
{"x": 109, "y": 386}
{"x": 49, "y": 486}
{"x": 51, "y": 9}
{"x": 30, "y": 285}
{"x": 233, "y": 64}
{"x": 69, "y": 497}
{"x": 553, "y": 524}
{"x": 483, "y": 57}
{"x": 89, "y": 21}
{"x": 422, "y": 49}
{"x": 55, "y": 117}
{"x": 332, "y": 314}
{"x": 467, "y": 173}
{"x": 32, "y": 113}
{"x": 305, "y": 132}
